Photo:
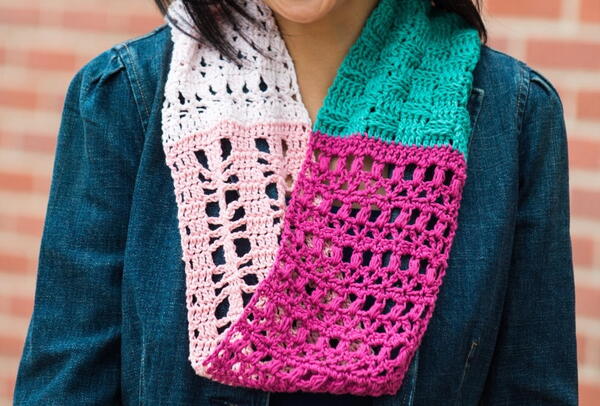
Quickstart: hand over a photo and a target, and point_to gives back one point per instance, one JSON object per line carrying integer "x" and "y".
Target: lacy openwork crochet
{"x": 314, "y": 254}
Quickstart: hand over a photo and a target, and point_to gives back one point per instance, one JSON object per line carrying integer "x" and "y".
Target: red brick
{"x": 51, "y": 102}
{"x": 581, "y": 344}
{"x": 15, "y": 181}
{"x": 25, "y": 182}
{"x": 589, "y": 393}
{"x": 29, "y": 141}
{"x": 499, "y": 43}
{"x": 4, "y": 304}
{"x": 11, "y": 262}
{"x": 568, "y": 96}
{"x": 584, "y": 154}
{"x": 590, "y": 11}
{"x": 7, "y": 139}
{"x": 7, "y": 222}
{"x": 30, "y": 225}
{"x": 92, "y": 20}
{"x": 587, "y": 301}
{"x": 52, "y": 59}
{"x": 10, "y": 345}
{"x": 585, "y": 203}
{"x": 13, "y": 14}
{"x": 525, "y": 8}
{"x": 7, "y": 385}
{"x": 19, "y": 98}
{"x": 588, "y": 105}
{"x": 143, "y": 23}
{"x": 583, "y": 251}
{"x": 42, "y": 185}
{"x": 21, "y": 306}
{"x": 569, "y": 54}
{"x": 39, "y": 142}
{"x": 31, "y": 99}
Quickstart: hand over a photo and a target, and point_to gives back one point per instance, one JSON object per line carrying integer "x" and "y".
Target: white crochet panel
{"x": 203, "y": 88}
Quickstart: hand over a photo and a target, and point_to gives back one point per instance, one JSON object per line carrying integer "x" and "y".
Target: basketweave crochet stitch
{"x": 314, "y": 254}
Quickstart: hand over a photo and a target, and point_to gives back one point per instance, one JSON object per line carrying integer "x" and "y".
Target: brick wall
{"x": 561, "y": 38}
{"x": 45, "y": 42}
{"x": 42, "y": 44}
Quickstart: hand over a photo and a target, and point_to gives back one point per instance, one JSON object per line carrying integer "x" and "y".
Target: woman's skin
{"x": 318, "y": 34}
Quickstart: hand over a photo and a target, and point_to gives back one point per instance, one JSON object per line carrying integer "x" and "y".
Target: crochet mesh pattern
{"x": 314, "y": 255}
{"x": 363, "y": 253}
{"x": 231, "y": 197}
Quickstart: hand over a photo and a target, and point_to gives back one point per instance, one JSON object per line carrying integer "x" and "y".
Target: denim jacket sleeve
{"x": 535, "y": 357}
{"x": 72, "y": 349}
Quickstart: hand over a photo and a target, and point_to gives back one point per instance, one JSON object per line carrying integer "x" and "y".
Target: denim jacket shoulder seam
{"x": 125, "y": 55}
{"x": 134, "y": 81}
{"x": 474, "y": 107}
{"x": 142, "y": 37}
{"x": 522, "y": 96}
{"x": 537, "y": 77}
{"x": 543, "y": 82}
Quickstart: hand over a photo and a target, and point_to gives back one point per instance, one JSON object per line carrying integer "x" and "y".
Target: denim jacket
{"x": 110, "y": 322}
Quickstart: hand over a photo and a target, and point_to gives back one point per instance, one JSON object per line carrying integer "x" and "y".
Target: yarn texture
{"x": 314, "y": 253}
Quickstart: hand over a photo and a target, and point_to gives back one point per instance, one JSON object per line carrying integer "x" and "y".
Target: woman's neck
{"x": 319, "y": 47}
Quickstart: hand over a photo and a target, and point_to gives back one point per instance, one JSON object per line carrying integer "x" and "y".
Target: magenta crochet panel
{"x": 364, "y": 248}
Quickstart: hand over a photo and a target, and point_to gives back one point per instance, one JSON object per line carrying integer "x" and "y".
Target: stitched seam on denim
{"x": 537, "y": 77}
{"x": 142, "y": 367}
{"x": 411, "y": 396}
{"x": 142, "y": 37}
{"x": 522, "y": 100}
{"x": 477, "y": 96}
{"x": 122, "y": 60}
{"x": 139, "y": 85}
{"x": 407, "y": 399}
{"x": 467, "y": 364}
{"x": 133, "y": 75}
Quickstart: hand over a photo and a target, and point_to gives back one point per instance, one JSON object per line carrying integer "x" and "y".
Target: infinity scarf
{"x": 314, "y": 253}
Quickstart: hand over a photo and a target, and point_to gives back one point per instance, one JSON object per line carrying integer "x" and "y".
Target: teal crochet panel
{"x": 406, "y": 79}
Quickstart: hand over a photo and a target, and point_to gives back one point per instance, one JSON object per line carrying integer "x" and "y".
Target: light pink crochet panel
{"x": 229, "y": 225}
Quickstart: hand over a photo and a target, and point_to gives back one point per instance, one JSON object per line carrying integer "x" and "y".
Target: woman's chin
{"x": 302, "y": 11}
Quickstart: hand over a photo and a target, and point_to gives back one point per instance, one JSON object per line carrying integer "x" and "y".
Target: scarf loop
{"x": 314, "y": 253}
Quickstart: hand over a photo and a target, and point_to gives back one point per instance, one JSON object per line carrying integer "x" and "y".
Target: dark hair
{"x": 207, "y": 16}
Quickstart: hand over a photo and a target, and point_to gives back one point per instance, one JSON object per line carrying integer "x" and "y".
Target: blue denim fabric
{"x": 110, "y": 322}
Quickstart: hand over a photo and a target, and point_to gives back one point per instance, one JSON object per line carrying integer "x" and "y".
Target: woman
{"x": 263, "y": 211}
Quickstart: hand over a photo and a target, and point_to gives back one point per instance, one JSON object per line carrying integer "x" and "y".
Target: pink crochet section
{"x": 365, "y": 244}
{"x": 230, "y": 184}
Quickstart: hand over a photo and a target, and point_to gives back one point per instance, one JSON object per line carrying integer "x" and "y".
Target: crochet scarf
{"x": 314, "y": 252}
